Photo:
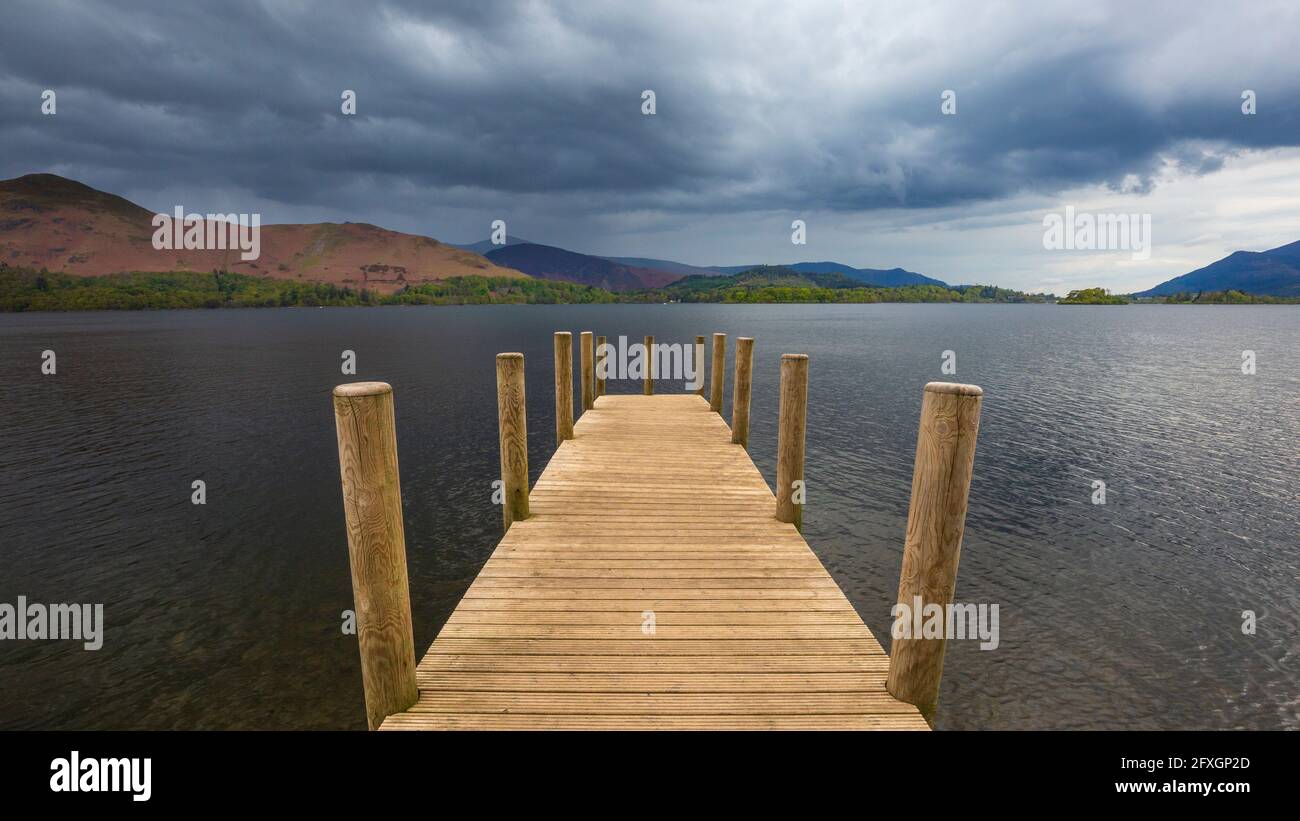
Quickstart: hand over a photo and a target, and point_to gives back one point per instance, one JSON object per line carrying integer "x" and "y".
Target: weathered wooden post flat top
{"x": 651, "y": 587}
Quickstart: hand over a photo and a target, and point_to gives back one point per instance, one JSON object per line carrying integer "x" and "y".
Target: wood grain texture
{"x": 741, "y": 388}
{"x": 650, "y": 512}
{"x": 563, "y": 386}
{"x": 512, "y": 437}
{"x": 718, "y": 372}
{"x": 699, "y": 365}
{"x": 587, "y": 356}
{"x": 372, "y": 507}
{"x": 601, "y": 356}
{"x": 651, "y": 367}
{"x": 936, "y": 517}
{"x": 791, "y": 424}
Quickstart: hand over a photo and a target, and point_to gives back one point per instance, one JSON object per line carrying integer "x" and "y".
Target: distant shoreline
{"x": 24, "y": 290}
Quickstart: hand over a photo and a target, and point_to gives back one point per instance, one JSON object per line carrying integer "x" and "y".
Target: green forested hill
{"x": 24, "y": 289}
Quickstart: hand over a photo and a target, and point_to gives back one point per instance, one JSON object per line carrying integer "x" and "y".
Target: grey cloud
{"x": 766, "y": 108}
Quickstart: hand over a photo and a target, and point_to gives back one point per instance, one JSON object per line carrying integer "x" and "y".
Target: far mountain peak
{"x": 1275, "y": 272}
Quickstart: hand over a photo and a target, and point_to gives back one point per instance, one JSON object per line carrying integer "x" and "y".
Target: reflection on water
{"x": 227, "y": 615}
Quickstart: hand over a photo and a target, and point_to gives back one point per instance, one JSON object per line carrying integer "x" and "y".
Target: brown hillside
{"x": 47, "y": 221}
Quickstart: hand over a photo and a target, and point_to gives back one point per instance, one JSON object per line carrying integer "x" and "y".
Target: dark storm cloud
{"x": 761, "y": 107}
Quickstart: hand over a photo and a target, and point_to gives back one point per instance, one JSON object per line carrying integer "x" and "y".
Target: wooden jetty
{"x": 650, "y": 579}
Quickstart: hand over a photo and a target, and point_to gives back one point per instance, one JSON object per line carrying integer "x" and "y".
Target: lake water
{"x": 227, "y": 615}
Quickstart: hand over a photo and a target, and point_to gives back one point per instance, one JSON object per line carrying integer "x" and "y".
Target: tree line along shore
{"x": 25, "y": 289}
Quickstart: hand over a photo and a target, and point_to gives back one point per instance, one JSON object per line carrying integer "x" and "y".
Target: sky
{"x": 832, "y": 113}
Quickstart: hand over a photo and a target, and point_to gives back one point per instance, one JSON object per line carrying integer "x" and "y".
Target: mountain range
{"x": 632, "y": 273}
{"x": 892, "y": 278}
{"x": 1273, "y": 273}
{"x": 54, "y": 223}
{"x": 47, "y": 221}
{"x": 485, "y": 245}
{"x": 547, "y": 262}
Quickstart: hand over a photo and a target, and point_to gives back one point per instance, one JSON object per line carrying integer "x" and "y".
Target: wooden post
{"x": 512, "y": 430}
{"x": 588, "y": 355}
{"x": 699, "y": 364}
{"x": 651, "y": 365}
{"x": 563, "y": 387}
{"x": 372, "y": 510}
{"x": 790, "y": 438}
{"x": 741, "y": 391}
{"x": 945, "y": 458}
{"x": 600, "y": 363}
{"x": 719, "y": 369}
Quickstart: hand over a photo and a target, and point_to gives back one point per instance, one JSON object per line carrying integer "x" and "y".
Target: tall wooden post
{"x": 601, "y": 365}
{"x": 651, "y": 365}
{"x": 512, "y": 434}
{"x": 941, "y": 476}
{"x": 372, "y": 509}
{"x": 719, "y": 372}
{"x": 588, "y": 355}
{"x": 741, "y": 391}
{"x": 790, "y": 438}
{"x": 698, "y": 353}
{"x": 563, "y": 387}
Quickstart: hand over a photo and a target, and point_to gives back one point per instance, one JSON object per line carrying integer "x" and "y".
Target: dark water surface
{"x": 1123, "y": 615}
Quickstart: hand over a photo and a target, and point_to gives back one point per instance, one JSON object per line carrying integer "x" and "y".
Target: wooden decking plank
{"x": 649, "y": 647}
{"x": 610, "y": 682}
{"x": 498, "y": 721}
{"x": 628, "y": 619}
{"x": 750, "y": 665}
{"x": 663, "y": 607}
{"x": 658, "y": 703}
